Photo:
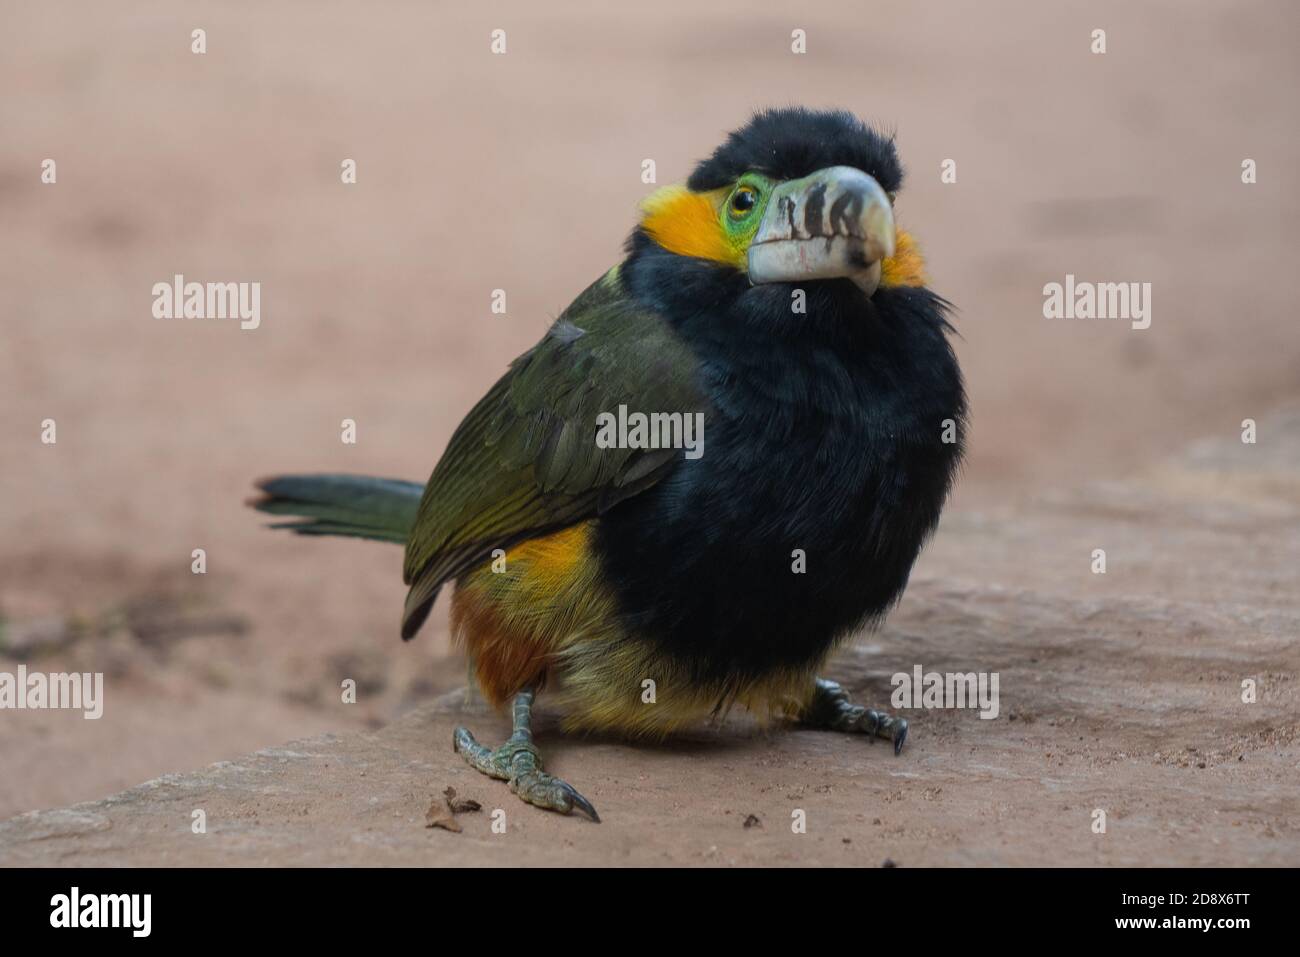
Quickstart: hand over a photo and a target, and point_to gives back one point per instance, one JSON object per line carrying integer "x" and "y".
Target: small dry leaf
{"x": 460, "y": 805}
{"x": 439, "y": 815}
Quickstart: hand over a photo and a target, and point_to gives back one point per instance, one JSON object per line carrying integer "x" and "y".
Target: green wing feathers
{"x": 525, "y": 462}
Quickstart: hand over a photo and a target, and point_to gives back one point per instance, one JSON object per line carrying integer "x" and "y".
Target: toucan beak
{"x": 835, "y": 223}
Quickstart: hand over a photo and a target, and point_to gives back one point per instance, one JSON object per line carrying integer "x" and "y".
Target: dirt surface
{"x": 1119, "y": 692}
{"x": 522, "y": 172}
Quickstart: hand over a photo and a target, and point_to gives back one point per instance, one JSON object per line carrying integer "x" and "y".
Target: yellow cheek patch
{"x": 689, "y": 224}
{"x": 907, "y": 266}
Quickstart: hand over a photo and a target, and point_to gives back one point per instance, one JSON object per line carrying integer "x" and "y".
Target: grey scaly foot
{"x": 519, "y": 762}
{"x": 830, "y": 708}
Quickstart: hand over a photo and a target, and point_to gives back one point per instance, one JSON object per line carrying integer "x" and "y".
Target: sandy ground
{"x": 1120, "y": 695}
{"x": 522, "y": 172}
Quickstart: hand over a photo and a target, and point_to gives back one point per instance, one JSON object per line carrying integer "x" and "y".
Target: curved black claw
{"x": 900, "y": 735}
{"x": 880, "y": 725}
{"x": 831, "y": 708}
{"x": 582, "y": 804}
{"x": 577, "y": 800}
{"x": 547, "y": 791}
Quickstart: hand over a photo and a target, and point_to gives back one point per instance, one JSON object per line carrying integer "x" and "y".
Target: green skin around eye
{"x": 740, "y": 227}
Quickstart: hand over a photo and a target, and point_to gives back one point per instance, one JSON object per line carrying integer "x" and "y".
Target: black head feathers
{"x": 793, "y": 142}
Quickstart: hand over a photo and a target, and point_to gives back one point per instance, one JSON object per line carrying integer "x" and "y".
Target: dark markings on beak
{"x": 834, "y": 223}
{"x": 787, "y": 210}
{"x": 846, "y": 213}
{"x": 812, "y": 214}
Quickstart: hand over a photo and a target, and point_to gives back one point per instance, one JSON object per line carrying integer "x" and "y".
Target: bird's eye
{"x": 743, "y": 200}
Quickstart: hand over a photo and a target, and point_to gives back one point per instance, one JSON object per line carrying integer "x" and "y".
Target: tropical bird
{"x": 772, "y": 298}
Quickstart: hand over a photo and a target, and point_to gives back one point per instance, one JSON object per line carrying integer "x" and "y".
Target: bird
{"x": 646, "y": 586}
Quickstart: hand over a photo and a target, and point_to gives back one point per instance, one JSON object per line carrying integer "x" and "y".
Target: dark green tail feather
{"x": 355, "y": 506}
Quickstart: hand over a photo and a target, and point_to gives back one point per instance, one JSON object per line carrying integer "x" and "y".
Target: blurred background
{"x": 523, "y": 172}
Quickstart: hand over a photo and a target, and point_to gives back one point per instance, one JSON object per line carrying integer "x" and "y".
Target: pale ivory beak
{"x": 836, "y": 223}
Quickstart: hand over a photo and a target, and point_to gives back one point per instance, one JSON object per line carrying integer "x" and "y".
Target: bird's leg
{"x": 519, "y": 762}
{"x": 830, "y": 708}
